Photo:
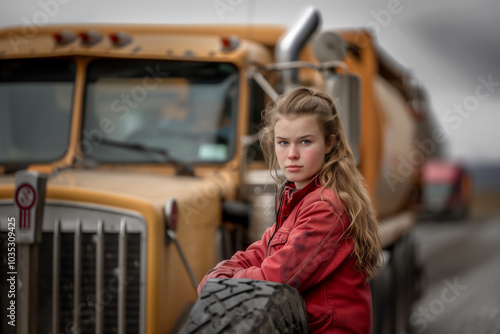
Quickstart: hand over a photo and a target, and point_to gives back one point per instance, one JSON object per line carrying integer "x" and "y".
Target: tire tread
{"x": 247, "y": 306}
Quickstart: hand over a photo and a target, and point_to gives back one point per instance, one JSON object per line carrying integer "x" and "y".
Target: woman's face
{"x": 300, "y": 147}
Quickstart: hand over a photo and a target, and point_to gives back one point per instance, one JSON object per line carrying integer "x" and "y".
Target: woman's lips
{"x": 293, "y": 168}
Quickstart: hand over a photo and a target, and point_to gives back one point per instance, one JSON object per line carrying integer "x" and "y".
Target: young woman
{"x": 325, "y": 240}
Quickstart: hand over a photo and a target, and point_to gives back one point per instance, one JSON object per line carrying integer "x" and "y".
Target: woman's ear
{"x": 330, "y": 143}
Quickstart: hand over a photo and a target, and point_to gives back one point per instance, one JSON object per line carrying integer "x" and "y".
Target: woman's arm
{"x": 252, "y": 257}
{"x": 313, "y": 249}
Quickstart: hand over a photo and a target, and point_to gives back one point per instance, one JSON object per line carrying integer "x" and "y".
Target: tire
{"x": 247, "y": 306}
{"x": 405, "y": 272}
{"x": 383, "y": 301}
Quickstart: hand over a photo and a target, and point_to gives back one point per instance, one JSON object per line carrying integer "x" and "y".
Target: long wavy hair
{"x": 339, "y": 172}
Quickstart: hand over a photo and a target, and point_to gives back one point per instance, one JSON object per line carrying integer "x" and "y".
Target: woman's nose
{"x": 293, "y": 154}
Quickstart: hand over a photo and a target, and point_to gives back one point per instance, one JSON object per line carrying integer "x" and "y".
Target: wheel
{"x": 383, "y": 301}
{"x": 405, "y": 272}
{"x": 247, "y": 306}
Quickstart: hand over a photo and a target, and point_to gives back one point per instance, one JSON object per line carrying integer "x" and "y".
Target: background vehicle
{"x": 147, "y": 135}
{"x": 447, "y": 190}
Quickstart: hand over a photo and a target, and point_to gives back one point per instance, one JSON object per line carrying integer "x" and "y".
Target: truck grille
{"x": 91, "y": 270}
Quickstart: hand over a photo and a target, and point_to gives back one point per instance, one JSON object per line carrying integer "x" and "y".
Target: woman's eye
{"x": 282, "y": 142}
{"x": 306, "y": 142}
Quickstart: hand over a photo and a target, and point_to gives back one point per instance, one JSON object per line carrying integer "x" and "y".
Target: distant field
{"x": 486, "y": 180}
{"x": 485, "y": 203}
{"x": 486, "y": 177}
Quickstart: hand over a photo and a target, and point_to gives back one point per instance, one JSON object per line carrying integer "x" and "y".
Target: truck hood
{"x": 148, "y": 187}
{"x": 145, "y": 186}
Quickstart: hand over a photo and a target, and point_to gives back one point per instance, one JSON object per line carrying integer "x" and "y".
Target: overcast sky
{"x": 451, "y": 46}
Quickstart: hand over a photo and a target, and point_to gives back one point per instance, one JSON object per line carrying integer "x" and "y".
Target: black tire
{"x": 247, "y": 306}
{"x": 405, "y": 275}
{"x": 383, "y": 301}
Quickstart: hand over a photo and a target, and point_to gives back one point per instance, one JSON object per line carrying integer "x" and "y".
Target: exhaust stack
{"x": 290, "y": 45}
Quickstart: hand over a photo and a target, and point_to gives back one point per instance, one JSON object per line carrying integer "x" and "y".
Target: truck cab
{"x": 129, "y": 159}
{"x": 123, "y": 121}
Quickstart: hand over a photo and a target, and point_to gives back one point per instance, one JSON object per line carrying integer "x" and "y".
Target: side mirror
{"x": 345, "y": 90}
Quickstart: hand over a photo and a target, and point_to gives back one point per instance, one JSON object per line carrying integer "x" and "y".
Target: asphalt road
{"x": 462, "y": 271}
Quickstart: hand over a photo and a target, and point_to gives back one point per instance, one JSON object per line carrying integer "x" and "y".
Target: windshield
{"x": 185, "y": 109}
{"x": 35, "y": 109}
{"x": 436, "y": 195}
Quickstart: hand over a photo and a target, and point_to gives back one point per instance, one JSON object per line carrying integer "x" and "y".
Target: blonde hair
{"x": 338, "y": 173}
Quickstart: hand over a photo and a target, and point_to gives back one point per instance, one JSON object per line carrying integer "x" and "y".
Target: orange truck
{"x": 129, "y": 164}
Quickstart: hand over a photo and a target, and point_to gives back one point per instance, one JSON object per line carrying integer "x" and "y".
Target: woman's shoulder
{"x": 324, "y": 196}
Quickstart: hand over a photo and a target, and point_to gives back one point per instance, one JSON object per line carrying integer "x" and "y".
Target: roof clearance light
{"x": 229, "y": 43}
{"x": 90, "y": 37}
{"x": 171, "y": 214}
{"x": 64, "y": 37}
{"x": 120, "y": 39}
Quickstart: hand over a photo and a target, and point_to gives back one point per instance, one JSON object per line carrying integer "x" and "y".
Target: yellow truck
{"x": 129, "y": 163}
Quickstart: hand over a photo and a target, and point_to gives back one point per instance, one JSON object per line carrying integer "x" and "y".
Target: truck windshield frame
{"x": 187, "y": 108}
{"x": 36, "y": 100}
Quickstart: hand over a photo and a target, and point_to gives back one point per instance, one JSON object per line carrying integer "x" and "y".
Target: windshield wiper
{"x": 181, "y": 167}
{"x": 138, "y": 147}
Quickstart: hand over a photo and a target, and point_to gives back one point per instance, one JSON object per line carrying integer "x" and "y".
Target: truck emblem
{"x": 25, "y": 199}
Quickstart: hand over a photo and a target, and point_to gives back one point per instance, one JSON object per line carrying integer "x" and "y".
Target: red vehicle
{"x": 447, "y": 189}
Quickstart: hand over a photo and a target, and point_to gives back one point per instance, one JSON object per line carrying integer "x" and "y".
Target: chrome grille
{"x": 91, "y": 276}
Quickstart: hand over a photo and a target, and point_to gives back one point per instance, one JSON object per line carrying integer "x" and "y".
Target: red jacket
{"x": 304, "y": 249}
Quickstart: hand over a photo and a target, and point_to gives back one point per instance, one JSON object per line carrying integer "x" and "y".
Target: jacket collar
{"x": 311, "y": 185}
{"x": 292, "y": 195}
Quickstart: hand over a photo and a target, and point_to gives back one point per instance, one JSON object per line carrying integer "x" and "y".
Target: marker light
{"x": 229, "y": 43}
{"x": 64, "y": 37}
{"x": 90, "y": 37}
{"x": 171, "y": 214}
{"x": 120, "y": 39}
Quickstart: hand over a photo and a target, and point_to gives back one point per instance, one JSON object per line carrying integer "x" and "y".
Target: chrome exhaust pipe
{"x": 290, "y": 45}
